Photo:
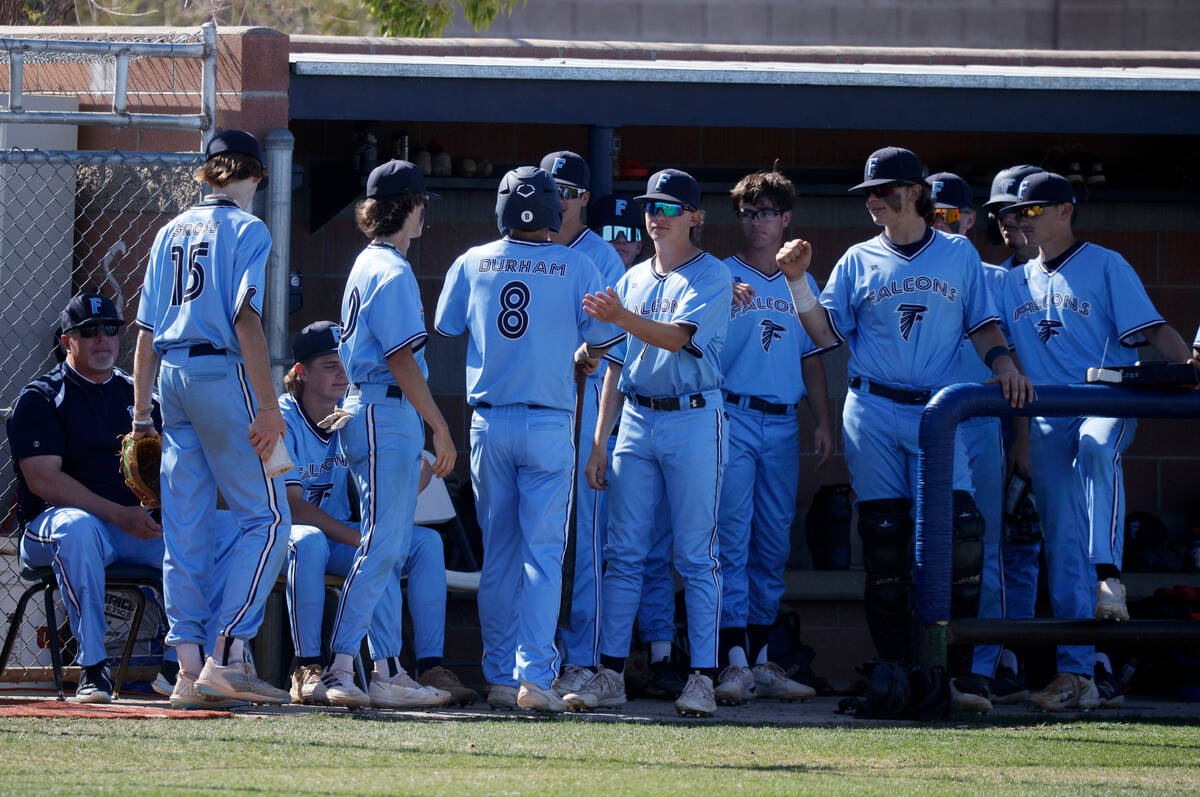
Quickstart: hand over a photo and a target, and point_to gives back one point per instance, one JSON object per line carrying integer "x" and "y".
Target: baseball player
{"x": 763, "y": 390}
{"x": 580, "y": 638}
{"x": 324, "y": 539}
{"x": 903, "y": 301}
{"x": 1003, "y": 226}
{"x": 382, "y": 346}
{"x": 619, "y": 221}
{"x": 672, "y": 444}
{"x": 200, "y": 312}
{"x": 75, "y": 511}
{"x": 1075, "y": 306}
{"x": 521, "y": 299}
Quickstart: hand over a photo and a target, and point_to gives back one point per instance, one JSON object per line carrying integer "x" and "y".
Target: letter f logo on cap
{"x": 662, "y": 180}
{"x": 938, "y": 185}
{"x": 872, "y": 166}
{"x": 96, "y": 305}
{"x": 1023, "y": 190}
{"x": 621, "y": 204}
{"x": 558, "y": 164}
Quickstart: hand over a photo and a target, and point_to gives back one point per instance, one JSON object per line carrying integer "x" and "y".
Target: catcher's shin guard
{"x": 967, "y": 574}
{"x": 886, "y": 529}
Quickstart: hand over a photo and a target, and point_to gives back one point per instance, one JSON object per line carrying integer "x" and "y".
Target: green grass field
{"x": 329, "y": 754}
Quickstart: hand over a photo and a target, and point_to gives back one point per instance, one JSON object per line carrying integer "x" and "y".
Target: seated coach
{"x": 76, "y": 513}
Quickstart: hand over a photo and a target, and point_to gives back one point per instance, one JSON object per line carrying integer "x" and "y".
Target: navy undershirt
{"x": 908, "y": 250}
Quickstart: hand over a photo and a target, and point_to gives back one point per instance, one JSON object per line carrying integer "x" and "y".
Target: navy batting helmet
{"x": 528, "y": 200}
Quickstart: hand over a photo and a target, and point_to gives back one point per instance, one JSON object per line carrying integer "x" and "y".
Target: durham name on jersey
{"x": 204, "y": 265}
{"x": 381, "y": 314}
{"x": 1065, "y": 321}
{"x": 522, "y": 302}
{"x": 904, "y": 316}
{"x": 765, "y": 340}
{"x": 696, "y": 294}
{"x": 321, "y": 469}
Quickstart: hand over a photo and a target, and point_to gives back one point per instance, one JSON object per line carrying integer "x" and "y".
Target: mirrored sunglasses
{"x": 754, "y": 214}
{"x": 1032, "y": 211}
{"x": 668, "y": 209}
{"x": 571, "y": 192}
{"x": 609, "y": 232}
{"x": 948, "y": 215}
{"x": 92, "y": 330}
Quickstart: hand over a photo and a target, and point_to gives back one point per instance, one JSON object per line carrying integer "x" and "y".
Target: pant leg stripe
{"x": 368, "y": 519}
{"x": 1116, "y": 525}
{"x": 276, "y": 516}
{"x": 712, "y": 540}
{"x": 597, "y": 559}
{"x": 67, "y": 588}
{"x": 566, "y": 527}
{"x": 291, "y": 588}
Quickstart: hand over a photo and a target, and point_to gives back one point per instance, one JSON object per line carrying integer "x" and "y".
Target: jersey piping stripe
{"x": 368, "y": 523}
{"x": 582, "y": 234}
{"x": 312, "y": 427}
{"x": 608, "y": 344}
{"x": 989, "y": 320}
{"x": 528, "y": 243}
{"x": 1051, "y": 272}
{"x": 891, "y": 247}
{"x": 1124, "y": 336}
{"x": 244, "y": 300}
{"x": 140, "y": 324}
{"x": 660, "y": 278}
{"x": 420, "y": 336}
{"x": 690, "y": 347}
{"x": 769, "y": 278}
{"x": 837, "y": 332}
{"x": 276, "y": 516}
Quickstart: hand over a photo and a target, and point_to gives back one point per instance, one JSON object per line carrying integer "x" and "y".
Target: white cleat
{"x": 535, "y": 698}
{"x": 186, "y": 696}
{"x": 238, "y": 681}
{"x": 1068, "y": 690}
{"x": 697, "y": 699}
{"x": 1110, "y": 601}
{"x": 735, "y": 686}
{"x": 401, "y": 691}
{"x": 304, "y": 681}
{"x": 337, "y": 688}
{"x": 605, "y": 689}
{"x": 571, "y": 679}
{"x": 502, "y": 697}
{"x": 770, "y": 683}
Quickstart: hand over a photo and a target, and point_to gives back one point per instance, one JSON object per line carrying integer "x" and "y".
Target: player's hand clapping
{"x": 794, "y": 257}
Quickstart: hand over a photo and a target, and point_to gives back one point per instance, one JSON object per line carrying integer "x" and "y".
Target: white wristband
{"x": 802, "y": 295}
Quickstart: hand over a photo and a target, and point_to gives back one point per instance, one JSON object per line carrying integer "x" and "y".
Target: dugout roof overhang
{"x": 1162, "y": 100}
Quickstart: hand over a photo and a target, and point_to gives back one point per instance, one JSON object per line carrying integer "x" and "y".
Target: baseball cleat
{"x": 571, "y": 679}
{"x": 605, "y": 689}
{"x": 164, "y": 679}
{"x": 401, "y": 691}
{"x": 502, "y": 697}
{"x": 533, "y": 697}
{"x": 970, "y": 693}
{"x": 770, "y": 682}
{"x": 337, "y": 688}
{"x": 1109, "y": 688}
{"x": 1008, "y": 687}
{"x": 304, "y": 681}
{"x": 664, "y": 682}
{"x": 95, "y": 685}
{"x": 441, "y": 678}
{"x": 1067, "y": 690}
{"x": 186, "y": 696}
{"x": 238, "y": 681}
{"x": 1110, "y": 601}
{"x": 735, "y": 686}
{"x": 697, "y": 699}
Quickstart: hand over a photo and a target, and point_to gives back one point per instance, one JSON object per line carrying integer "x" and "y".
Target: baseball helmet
{"x": 528, "y": 200}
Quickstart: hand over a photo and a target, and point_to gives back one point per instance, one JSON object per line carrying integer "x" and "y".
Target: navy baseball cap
{"x": 1005, "y": 184}
{"x": 397, "y": 178}
{"x": 1043, "y": 188}
{"x": 234, "y": 141}
{"x": 568, "y": 168}
{"x": 948, "y": 190}
{"x": 88, "y": 309}
{"x": 672, "y": 185}
{"x": 614, "y": 209}
{"x": 319, "y": 337}
{"x": 891, "y": 165}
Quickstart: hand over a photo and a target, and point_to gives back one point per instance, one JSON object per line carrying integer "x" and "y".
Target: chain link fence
{"x": 73, "y": 221}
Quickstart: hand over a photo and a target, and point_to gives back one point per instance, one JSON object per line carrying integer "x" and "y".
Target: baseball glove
{"x": 140, "y": 460}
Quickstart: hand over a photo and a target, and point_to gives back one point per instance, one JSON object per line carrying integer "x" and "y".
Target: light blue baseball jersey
{"x": 766, "y": 341}
{"x": 971, "y": 367}
{"x": 1091, "y": 309}
{"x": 522, "y": 302}
{"x": 904, "y": 315}
{"x": 696, "y": 294}
{"x": 381, "y": 314}
{"x": 320, "y": 466}
{"x": 204, "y": 266}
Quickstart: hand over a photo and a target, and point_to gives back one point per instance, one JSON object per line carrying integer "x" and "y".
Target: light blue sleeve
{"x": 393, "y": 314}
{"x": 1132, "y": 310}
{"x": 979, "y": 307}
{"x": 616, "y": 355}
{"x": 293, "y": 448}
{"x": 838, "y": 297}
{"x": 596, "y": 333}
{"x": 250, "y": 264}
{"x": 995, "y": 279}
{"x": 451, "y": 316}
{"x": 705, "y": 306}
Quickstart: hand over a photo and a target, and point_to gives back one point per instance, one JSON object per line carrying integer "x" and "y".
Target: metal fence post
{"x": 280, "y": 143}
